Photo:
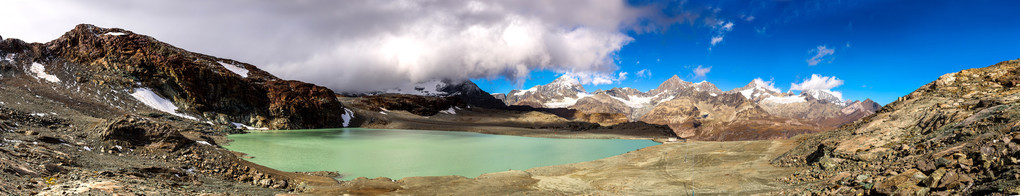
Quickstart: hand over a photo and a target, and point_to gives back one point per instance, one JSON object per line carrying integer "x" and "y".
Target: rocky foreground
{"x": 958, "y": 135}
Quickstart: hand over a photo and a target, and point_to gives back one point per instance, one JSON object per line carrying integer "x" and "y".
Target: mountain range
{"x": 701, "y": 110}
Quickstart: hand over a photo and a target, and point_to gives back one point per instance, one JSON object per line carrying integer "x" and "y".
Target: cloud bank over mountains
{"x": 363, "y": 45}
{"x": 358, "y": 45}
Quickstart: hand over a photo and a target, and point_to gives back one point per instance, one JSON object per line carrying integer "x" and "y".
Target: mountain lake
{"x": 394, "y": 153}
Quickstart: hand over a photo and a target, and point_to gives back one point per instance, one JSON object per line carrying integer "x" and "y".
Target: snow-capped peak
{"x": 758, "y": 83}
{"x": 827, "y": 95}
{"x": 566, "y": 80}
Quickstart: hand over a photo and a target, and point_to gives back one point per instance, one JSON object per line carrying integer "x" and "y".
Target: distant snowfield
{"x": 40, "y": 72}
{"x": 115, "y": 33}
{"x": 786, "y": 100}
{"x": 566, "y": 101}
{"x": 636, "y": 101}
{"x": 241, "y": 71}
{"x": 154, "y": 101}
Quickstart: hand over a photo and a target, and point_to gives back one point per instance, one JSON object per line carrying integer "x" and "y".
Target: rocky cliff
{"x": 116, "y": 62}
{"x": 958, "y": 135}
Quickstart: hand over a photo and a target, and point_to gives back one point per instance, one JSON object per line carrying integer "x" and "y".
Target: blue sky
{"x": 880, "y": 49}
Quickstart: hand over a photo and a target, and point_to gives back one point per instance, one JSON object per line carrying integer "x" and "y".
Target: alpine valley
{"x": 106, "y": 111}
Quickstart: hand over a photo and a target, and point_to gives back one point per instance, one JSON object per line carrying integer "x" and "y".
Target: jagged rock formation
{"x": 197, "y": 85}
{"x": 702, "y": 111}
{"x": 560, "y": 93}
{"x": 958, "y": 135}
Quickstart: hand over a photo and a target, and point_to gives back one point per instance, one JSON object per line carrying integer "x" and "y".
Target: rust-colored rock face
{"x": 214, "y": 88}
{"x": 317, "y": 105}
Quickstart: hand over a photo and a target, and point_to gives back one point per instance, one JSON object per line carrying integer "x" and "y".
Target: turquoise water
{"x": 397, "y": 154}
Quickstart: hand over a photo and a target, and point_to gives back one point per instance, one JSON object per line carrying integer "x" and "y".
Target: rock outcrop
{"x": 958, "y": 135}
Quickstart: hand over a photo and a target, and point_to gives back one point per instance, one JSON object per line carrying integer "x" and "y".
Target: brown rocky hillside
{"x": 958, "y": 135}
{"x": 210, "y": 88}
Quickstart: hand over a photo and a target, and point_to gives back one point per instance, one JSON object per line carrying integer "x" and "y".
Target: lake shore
{"x": 676, "y": 168}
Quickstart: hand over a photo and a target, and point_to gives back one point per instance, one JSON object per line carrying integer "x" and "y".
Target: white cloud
{"x": 596, "y": 78}
{"x": 721, "y": 28}
{"x": 347, "y": 45}
{"x": 716, "y": 40}
{"x": 644, "y": 73}
{"x": 769, "y": 85}
{"x": 700, "y": 71}
{"x": 821, "y": 52}
{"x": 817, "y": 82}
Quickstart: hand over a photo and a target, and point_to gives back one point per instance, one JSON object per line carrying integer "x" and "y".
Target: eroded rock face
{"x": 203, "y": 86}
{"x": 957, "y": 135}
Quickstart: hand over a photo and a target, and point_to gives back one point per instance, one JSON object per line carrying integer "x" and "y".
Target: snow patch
{"x": 154, "y": 101}
{"x": 566, "y": 101}
{"x": 348, "y": 114}
{"x": 38, "y": 114}
{"x": 241, "y": 71}
{"x": 713, "y": 94}
{"x": 40, "y": 72}
{"x": 115, "y": 33}
{"x": 203, "y": 142}
{"x": 747, "y": 93}
{"x": 635, "y": 101}
{"x": 521, "y": 93}
{"x": 240, "y": 126}
{"x": 785, "y": 100}
{"x": 449, "y": 111}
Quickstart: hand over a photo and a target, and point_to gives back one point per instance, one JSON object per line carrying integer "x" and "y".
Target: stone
{"x": 925, "y": 165}
{"x": 902, "y": 184}
{"x": 954, "y": 179}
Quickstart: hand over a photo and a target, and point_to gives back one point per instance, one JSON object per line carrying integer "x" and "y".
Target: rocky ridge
{"x": 197, "y": 85}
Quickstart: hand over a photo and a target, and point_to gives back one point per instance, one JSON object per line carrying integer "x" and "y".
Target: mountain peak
{"x": 674, "y": 83}
{"x": 758, "y": 83}
{"x": 826, "y": 95}
{"x": 566, "y": 80}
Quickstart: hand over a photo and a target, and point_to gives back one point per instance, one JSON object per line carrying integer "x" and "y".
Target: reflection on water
{"x": 397, "y": 153}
